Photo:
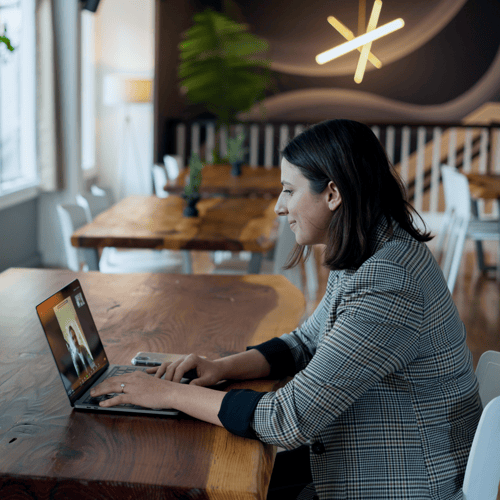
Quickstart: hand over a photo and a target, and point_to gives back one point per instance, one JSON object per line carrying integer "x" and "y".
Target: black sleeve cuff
{"x": 237, "y": 409}
{"x": 279, "y": 357}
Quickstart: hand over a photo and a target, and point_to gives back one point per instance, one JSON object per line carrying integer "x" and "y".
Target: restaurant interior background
{"x": 441, "y": 67}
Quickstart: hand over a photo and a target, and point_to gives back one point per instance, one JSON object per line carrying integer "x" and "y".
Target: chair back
{"x": 105, "y": 192}
{"x": 488, "y": 376}
{"x": 159, "y": 181}
{"x": 458, "y": 208}
{"x": 93, "y": 204}
{"x": 172, "y": 166}
{"x": 71, "y": 218}
{"x": 482, "y": 474}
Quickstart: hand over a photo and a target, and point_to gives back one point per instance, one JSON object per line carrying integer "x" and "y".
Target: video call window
{"x": 72, "y": 336}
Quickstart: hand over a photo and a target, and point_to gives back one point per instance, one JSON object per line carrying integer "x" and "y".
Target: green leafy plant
{"x": 235, "y": 149}
{"x": 222, "y": 66}
{"x": 6, "y": 40}
{"x": 192, "y": 189}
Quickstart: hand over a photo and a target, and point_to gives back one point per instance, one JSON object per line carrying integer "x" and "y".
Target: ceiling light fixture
{"x": 362, "y": 43}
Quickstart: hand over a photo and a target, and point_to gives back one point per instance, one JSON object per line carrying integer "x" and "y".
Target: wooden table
{"x": 48, "y": 450}
{"x": 217, "y": 179}
{"x": 234, "y": 224}
{"x": 485, "y": 187}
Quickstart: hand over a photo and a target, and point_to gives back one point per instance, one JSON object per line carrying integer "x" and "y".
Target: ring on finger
{"x": 123, "y": 387}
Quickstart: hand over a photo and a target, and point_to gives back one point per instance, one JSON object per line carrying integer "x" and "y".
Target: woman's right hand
{"x": 207, "y": 372}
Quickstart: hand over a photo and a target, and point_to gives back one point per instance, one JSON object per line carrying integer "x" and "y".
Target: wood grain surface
{"x": 485, "y": 186}
{"x": 217, "y": 179}
{"x": 48, "y": 450}
{"x": 149, "y": 222}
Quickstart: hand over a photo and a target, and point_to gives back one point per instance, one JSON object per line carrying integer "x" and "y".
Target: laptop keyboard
{"x": 119, "y": 370}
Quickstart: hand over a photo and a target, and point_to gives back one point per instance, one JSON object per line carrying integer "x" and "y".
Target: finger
{"x": 112, "y": 384}
{"x": 172, "y": 367}
{"x": 102, "y": 388}
{"x": 117, "y": 400}
{"x": 153, "y": 369}
{"x": 187, "y": 365}
{"x": 162, "y": 370}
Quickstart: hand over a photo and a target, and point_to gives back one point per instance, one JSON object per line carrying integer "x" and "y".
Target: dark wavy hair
{"x": 349, "y": 154}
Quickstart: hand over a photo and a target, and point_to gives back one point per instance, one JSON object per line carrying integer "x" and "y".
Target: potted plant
{"x": 192, "y": 190}
{"x": 223, "y": 68}
{"x": 236, "y": 152}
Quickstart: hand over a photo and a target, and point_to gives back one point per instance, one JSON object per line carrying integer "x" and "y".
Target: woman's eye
{"x": 287, "y": 191}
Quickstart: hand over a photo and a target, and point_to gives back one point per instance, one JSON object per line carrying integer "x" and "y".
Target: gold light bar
{"x": 346, "y": 47}
{"x": 349, "y": 35}
{"x": 363, "y": 58}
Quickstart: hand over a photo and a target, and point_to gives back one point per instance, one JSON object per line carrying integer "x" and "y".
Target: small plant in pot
{"x": 236, "y": 152}
{"x": 192, "y": 190}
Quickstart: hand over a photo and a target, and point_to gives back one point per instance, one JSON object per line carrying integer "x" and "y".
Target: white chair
{"x": 159, "y": 181}
{"x": 172, "y": 166}
{"x": 284, "y": 245}
{"x": 488, "y": 376}
{"x": 113, "y": 260}
{"x": 459, "y": 225}
{"x": 482, "y": 474}
{"x": 72, "y": 217}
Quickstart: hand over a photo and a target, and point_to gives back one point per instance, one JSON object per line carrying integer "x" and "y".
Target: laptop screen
{"x": 73, "y": 338}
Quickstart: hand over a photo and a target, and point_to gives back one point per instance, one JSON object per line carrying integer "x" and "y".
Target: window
{"x": 18, "y": 168}
{"x": 88, "y": 92}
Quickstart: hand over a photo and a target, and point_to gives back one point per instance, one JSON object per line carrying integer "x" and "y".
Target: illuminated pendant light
{"x": 362, "y": 42}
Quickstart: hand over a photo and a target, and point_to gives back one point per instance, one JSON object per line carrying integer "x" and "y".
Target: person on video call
{"x": 82, "y": 359}
{"x": 383, "y": 402}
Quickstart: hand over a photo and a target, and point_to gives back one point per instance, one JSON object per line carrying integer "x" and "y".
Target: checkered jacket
{"x": 384, "y": 390}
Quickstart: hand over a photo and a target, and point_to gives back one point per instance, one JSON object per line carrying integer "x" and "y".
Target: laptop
{"x": 79, "y": 354}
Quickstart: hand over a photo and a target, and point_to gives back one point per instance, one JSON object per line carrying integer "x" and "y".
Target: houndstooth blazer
{"x": 384, "y": 390}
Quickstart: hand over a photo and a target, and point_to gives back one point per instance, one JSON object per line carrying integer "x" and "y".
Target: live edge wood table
{"x": 217, "y": 179}
{"x": 48, "y": 450}
{"x": 233, "y": 224}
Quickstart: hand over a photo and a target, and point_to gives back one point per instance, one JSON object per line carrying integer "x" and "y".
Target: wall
{"x": 443, "y": 65}
{"x": 18, "y": 236}
{"x": 124, "y": 44}
{"x": 67, "y": 55}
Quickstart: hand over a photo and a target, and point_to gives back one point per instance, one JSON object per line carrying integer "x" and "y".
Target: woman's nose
{"x": 280, "y": 208}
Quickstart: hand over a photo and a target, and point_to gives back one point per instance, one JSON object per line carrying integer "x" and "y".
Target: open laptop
{"x": 79, "y": 353}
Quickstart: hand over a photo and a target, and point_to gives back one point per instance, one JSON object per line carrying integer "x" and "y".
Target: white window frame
{"x": 25, "y": 187}
{"x": 88, "y": 99}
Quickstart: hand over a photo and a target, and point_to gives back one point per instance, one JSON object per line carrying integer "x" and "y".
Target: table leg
{"x": 187, "y": 262}
{"x": 479, "y": 243}
{"x": 255, "y": 263}
{"x": 498, "y": 245}
{"x": 91, "y": 258}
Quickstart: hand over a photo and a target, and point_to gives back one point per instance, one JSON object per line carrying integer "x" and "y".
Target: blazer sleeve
{"x": 291, "y": 352}
{"x": 376, "y": 332}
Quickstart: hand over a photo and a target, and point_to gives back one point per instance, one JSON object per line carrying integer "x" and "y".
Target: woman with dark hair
{"x": 383, "y": 397}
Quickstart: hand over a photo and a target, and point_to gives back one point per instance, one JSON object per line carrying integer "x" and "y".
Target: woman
{"x": 81, "y": 358}
{"x": 383, "y": 391}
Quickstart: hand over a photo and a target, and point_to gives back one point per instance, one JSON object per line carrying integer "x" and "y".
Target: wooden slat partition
{"x": 416, "y": 150}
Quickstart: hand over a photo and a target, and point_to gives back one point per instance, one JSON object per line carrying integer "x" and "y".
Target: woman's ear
{"x": 333, "y": 196}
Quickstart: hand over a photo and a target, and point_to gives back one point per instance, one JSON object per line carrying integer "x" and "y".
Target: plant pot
{"x": 236, "y": 168}
{"x": 190, "y": 210}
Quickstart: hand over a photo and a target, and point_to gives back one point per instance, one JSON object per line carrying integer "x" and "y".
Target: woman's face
{"x": 308, "y": 213}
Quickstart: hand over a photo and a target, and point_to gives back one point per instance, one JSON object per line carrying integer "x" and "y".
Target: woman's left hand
{"x": 137, "y": 388}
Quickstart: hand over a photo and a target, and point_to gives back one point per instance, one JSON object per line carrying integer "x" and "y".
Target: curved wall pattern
{"x": 442, "y": 66}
